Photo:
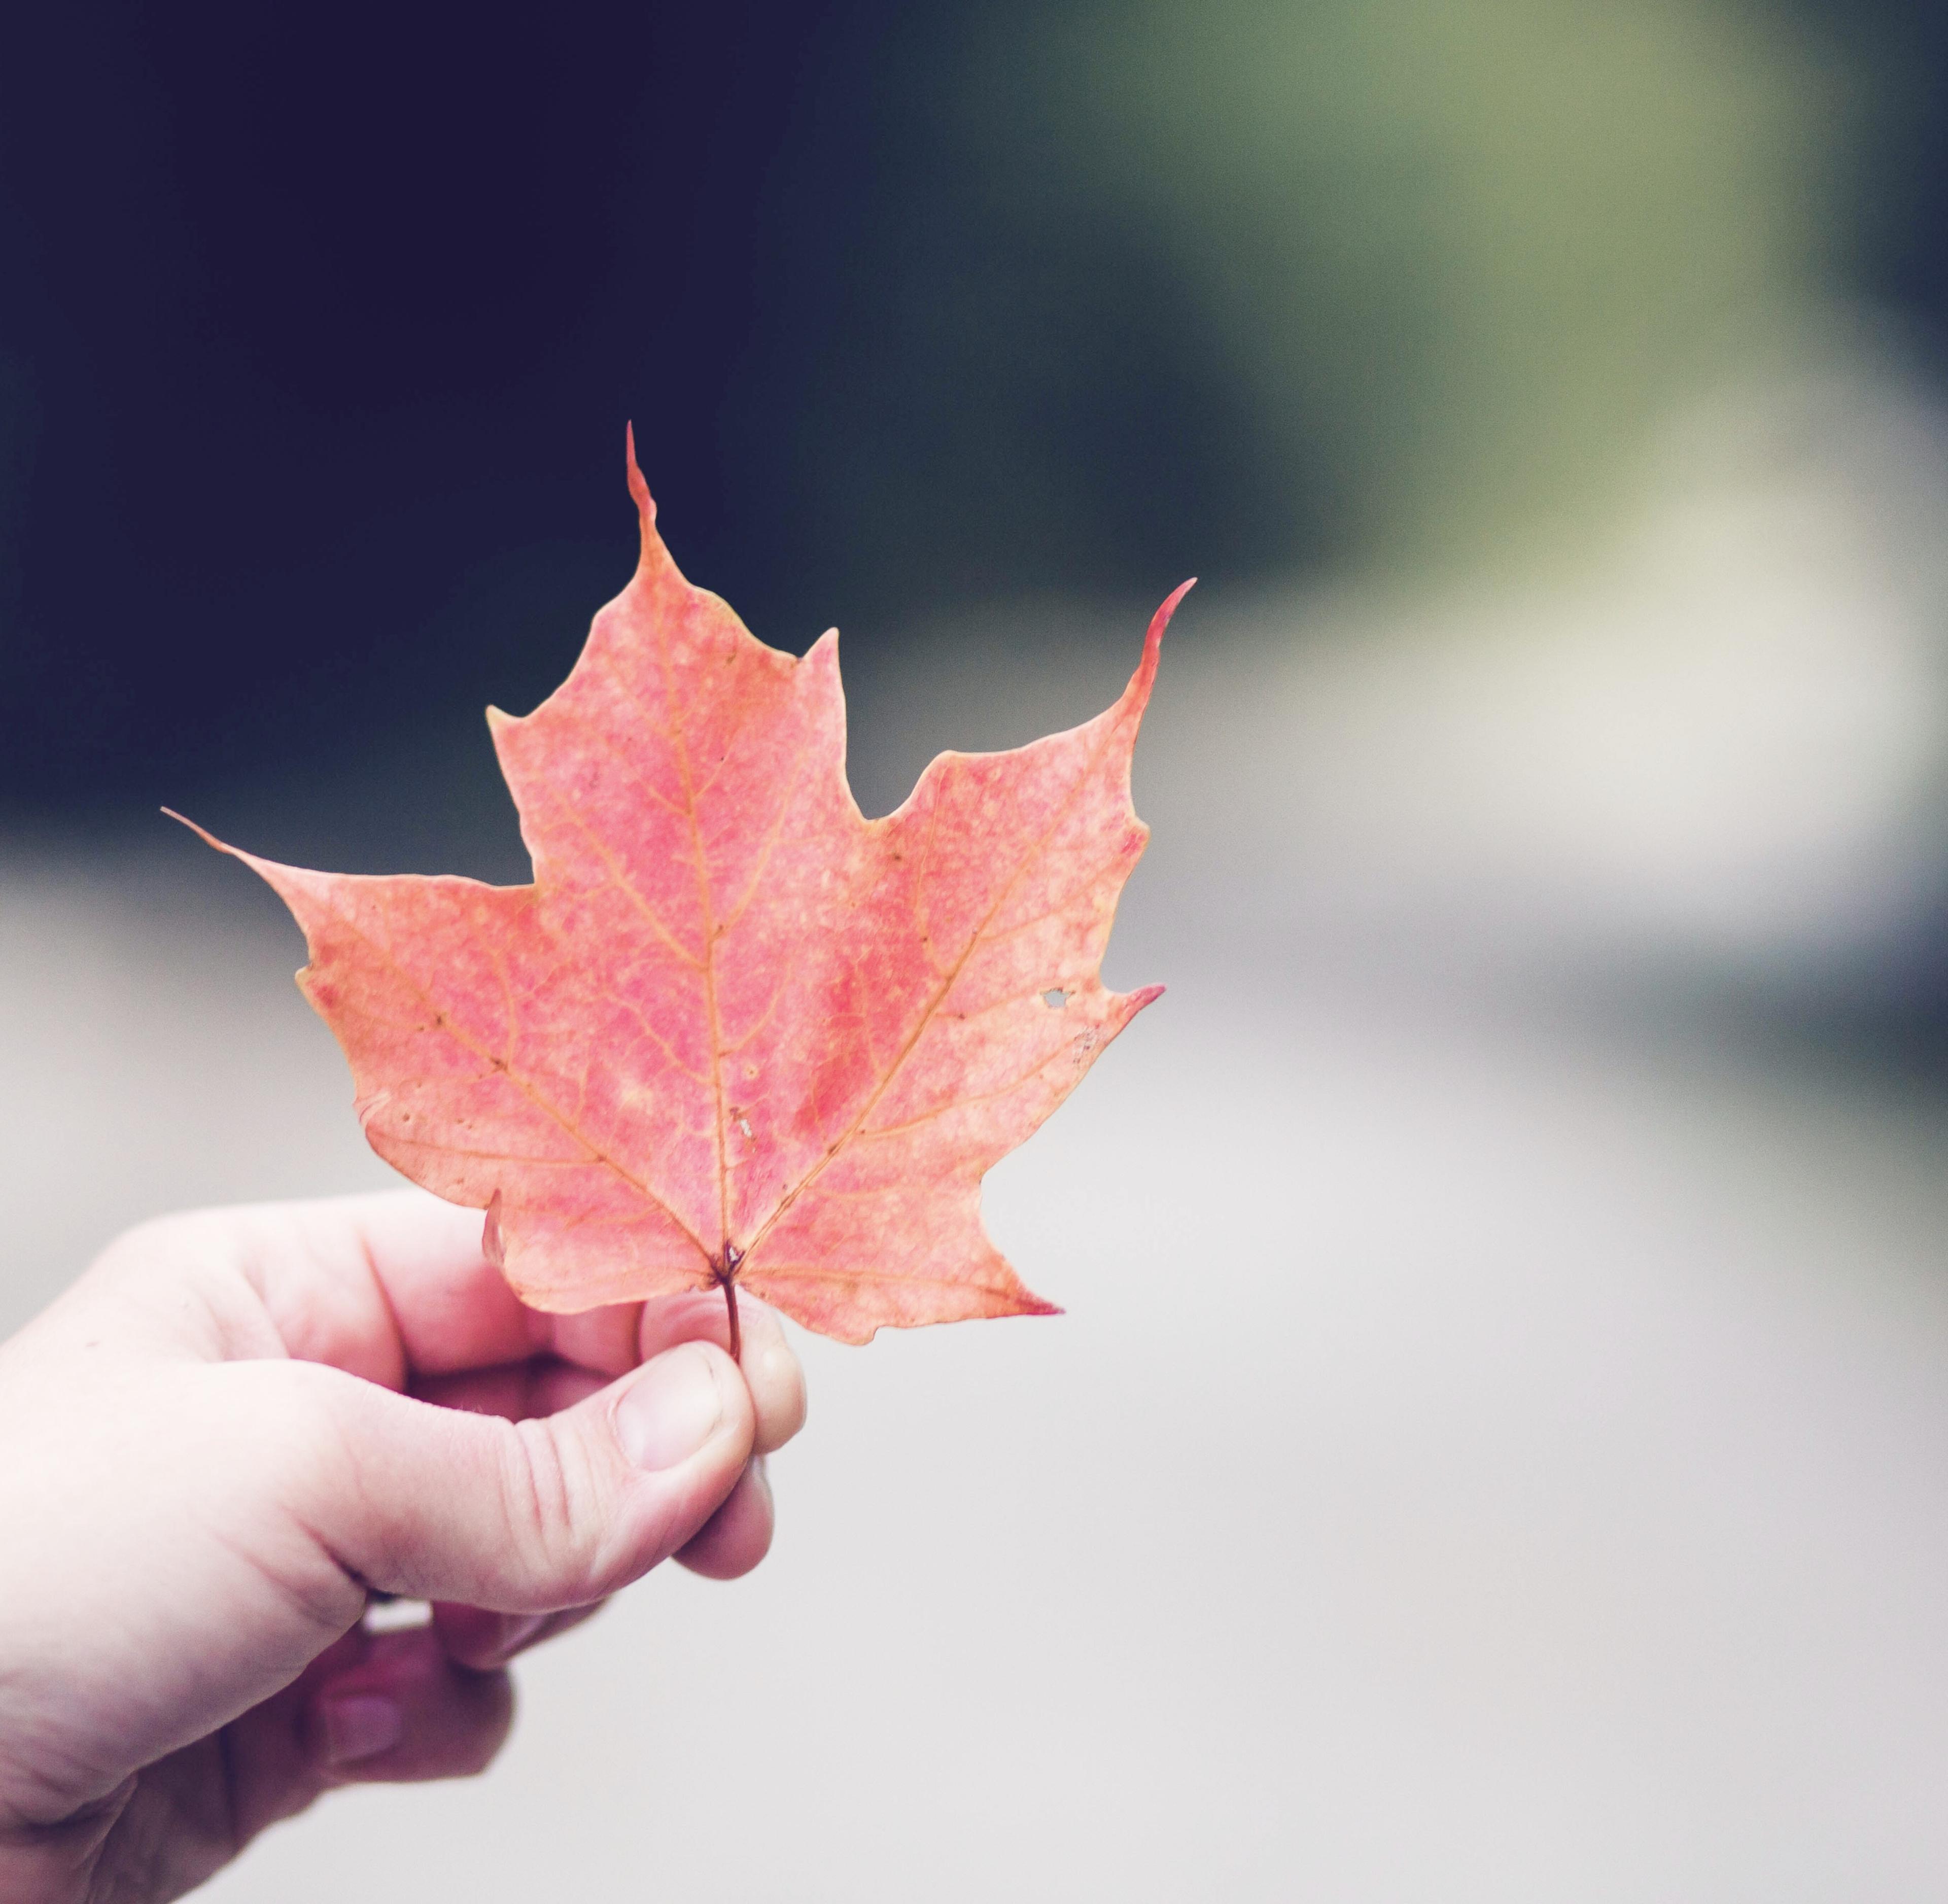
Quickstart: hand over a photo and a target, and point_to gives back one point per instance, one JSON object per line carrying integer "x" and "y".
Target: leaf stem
{"x": 727, "y": 1275}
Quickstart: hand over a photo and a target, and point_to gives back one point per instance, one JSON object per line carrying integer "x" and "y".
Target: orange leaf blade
{"x": 733, "y": 1028}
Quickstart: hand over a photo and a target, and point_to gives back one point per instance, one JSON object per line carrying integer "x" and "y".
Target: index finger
{"x": 453, "y": 1317}
{"x": 394, "y": 1285}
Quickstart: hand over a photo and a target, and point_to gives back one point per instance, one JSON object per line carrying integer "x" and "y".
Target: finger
{"x": 403, "y": 1711}
{"x": 482, "y": 1641}
{"x": 545, "y": 1385}
{"x": 383, "y": 1286}
{"x": 739, "y": 1534}
{"x": 378, "y": 1285}
{"x": 516, "y": 1391}
{"x": 531, "y": 1516}
{"x": 603, "y": 1339}
{"x": 770, "y": 1364}
{"x": 373, "y": 1707}
{"x": 452, "y": 1309}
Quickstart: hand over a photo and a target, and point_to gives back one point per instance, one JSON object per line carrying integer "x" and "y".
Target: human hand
{"x": 241, "y": 1423}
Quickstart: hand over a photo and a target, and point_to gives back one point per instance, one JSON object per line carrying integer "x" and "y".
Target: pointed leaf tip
{"x": 1160, "y": 619}
{"x": 208, "y": 838}
{"x": 1140, "y": 681}
{"x": 646, "y": 506}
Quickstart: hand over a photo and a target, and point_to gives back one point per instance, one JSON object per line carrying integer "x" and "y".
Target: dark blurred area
{"x": 319, "y": 329}
{"x": 313, "y": 316}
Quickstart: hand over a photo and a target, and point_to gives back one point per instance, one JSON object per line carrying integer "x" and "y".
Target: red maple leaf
{"x": 735, "y": 1032}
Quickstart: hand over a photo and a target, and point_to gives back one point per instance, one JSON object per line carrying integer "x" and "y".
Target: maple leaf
{"x": 734, "y": 1032}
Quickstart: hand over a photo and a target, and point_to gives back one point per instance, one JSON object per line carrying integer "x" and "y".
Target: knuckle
{"x": 179, "y": 1234}
{"x": 557, "y": 1508}
{"x": 264, "y": 1487}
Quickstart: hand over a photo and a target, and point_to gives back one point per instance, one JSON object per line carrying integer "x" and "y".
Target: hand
{"x": 240, "y": 1424}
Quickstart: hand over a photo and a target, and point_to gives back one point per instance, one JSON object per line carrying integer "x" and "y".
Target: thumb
{"x": 529, "y": 1517}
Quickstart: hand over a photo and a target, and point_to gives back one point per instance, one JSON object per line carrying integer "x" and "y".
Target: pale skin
{"x": 242, "y": 1424}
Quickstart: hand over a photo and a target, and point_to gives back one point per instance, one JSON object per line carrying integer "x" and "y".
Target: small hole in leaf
{"x": 1056, "y": 999}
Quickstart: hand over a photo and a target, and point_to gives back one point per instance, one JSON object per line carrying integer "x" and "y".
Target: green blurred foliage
{"x": 1258, "y": 284}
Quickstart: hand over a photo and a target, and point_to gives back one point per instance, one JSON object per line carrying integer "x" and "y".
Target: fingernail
{"x": 673, "y": 1411}
{"x": 360, "y": 1726}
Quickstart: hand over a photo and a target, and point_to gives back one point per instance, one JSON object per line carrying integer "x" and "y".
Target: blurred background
{"x": 1498, "y": 1446}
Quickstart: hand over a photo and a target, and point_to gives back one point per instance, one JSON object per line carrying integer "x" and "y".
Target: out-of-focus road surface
{"x": 1498, "y": 1446}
